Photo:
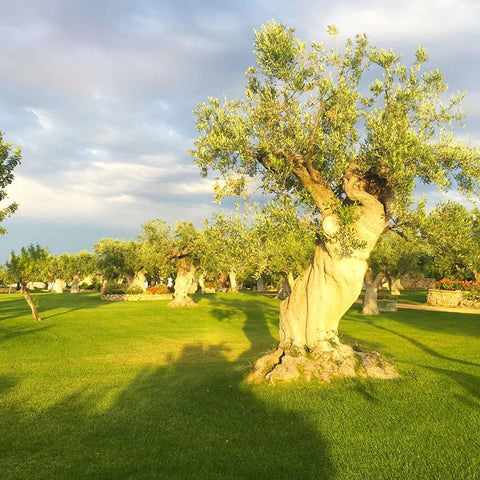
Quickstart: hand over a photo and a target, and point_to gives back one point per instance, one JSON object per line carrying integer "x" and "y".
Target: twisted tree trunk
{"x": 74, "y": 287}
{"x": 309, "y": 317}
{"x": 232, "y": 277}
{"x": 370, "y": 304}
{"x": 183, "y": 283}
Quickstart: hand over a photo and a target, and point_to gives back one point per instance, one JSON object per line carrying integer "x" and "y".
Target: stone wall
{"x": 136, "y": 298}
{"x": 449, "y": 298}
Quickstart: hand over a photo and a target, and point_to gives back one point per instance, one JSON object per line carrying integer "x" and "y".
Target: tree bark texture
{"x": 260, "y": 284}
{"x": 201, "y": 282}
{"x": 370, "y": 304}
{"x": 183, "y": 283}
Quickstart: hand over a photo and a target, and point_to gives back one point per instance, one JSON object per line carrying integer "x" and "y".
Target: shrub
{"x": 112, "y": 288}
{"x": 133, "y": 290}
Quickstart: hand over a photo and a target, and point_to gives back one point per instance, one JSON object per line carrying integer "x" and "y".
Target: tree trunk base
{"x": 182, "y": 302}
{"x": 327, "y": 361}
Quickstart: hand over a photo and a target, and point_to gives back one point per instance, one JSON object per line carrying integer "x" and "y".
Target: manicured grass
{"x": 104, "y": 390}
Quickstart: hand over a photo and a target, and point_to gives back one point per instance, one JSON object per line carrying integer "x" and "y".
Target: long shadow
{"x": 16, "y": 306}
{"x": 259, "y": 315}
{"x": 174, "y": 422}
{"x": 420, "y": 345}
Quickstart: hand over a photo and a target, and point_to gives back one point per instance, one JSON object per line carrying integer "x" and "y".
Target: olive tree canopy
{"x": 345, "y": 132}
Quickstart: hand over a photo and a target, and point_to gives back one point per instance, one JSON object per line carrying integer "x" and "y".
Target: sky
{"x": 100, "y": 95}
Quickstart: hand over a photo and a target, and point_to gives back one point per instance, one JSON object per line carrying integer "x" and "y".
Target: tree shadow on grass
{"x": 174, "y": 422}
{"x": 15, "y": 307}
{"x": 259, "y": 315}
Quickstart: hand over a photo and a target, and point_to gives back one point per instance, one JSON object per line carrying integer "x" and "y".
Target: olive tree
{"x": 451, "y": 233}
{"x": 284, "y": 242}
{"x": 314, "y": 126}
{"x": 9, "y": 159}
{"x": 184, "y": 251}
{"x": 30, "y": 265}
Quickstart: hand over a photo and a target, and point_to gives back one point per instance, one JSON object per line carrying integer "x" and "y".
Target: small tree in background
{"x": 285, "y": 243}
{"x": 229, "y": 244}
{"x": 9, "y": 159}
{"x": 28, "y": 267}
{"x": 156, "y": 249}
{"x": 186, "y": 242}
{"x": 451, "y": 233}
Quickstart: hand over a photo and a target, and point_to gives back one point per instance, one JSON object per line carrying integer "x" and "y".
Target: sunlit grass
{"x": 103, "y": 390}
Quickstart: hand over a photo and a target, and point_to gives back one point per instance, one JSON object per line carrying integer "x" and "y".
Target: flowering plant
{"x": 471, "y": 289}
{"x": 157, "y": 290}
{"x": 210, "y": 284}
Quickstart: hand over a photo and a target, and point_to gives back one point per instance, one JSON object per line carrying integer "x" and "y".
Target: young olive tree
{"x": 229, "y": 244}
{"x": 9, "y": 159}
{"x": 156, "y": 249}
{"x": 29, "y": 266}
{"x": 310, "y": 127}
{"x": 285, "y": 243}
{"x": 450, "y": 235}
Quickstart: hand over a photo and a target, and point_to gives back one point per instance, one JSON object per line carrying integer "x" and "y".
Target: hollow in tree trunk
{"x": 30, "y": 302}
{"x": 183, "y": 283}
{"x": 309, "y": 343}
{"x": 370, "y": 303}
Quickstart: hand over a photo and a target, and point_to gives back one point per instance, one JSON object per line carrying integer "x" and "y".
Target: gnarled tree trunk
{"x": 59, "y": 282}
{"x": 201, "y": 282}
{"x": 183, "y": 283}
{"x": 477, "y": 276}
{"x": 309, "y": 317}
{"x": 260, "y": 284}
{"x": 74, "y": 287}
{"x": 232, "y": 277}
{"x": 370, "y": 304}
{"x": 30, "y": 302}
{"x": 285, "y": 287}
{"x": 139, "y": 279}
{"x": 395, "y": 285}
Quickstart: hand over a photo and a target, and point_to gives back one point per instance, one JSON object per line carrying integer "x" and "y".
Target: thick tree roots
{"x": 327, "y": 361}
{"x": 182, "y": 302}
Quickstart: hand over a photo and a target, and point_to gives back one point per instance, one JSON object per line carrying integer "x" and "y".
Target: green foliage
{"x": 114, "y": 288}
{"x": 311, "y": 117}
{"x": 9, "y": 159}
{"x": 156, "y": 249}
{"x": 451, "y": 234}
{"x": 117, "y": 258}
{"x": 284, "y": 239}
{"x": 29, "y": 266}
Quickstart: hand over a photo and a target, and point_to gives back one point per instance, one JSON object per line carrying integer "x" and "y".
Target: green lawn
{"x": 104, "y": 390}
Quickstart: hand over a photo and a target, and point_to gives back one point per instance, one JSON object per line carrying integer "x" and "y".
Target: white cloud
{"x": 42, "y": 118}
